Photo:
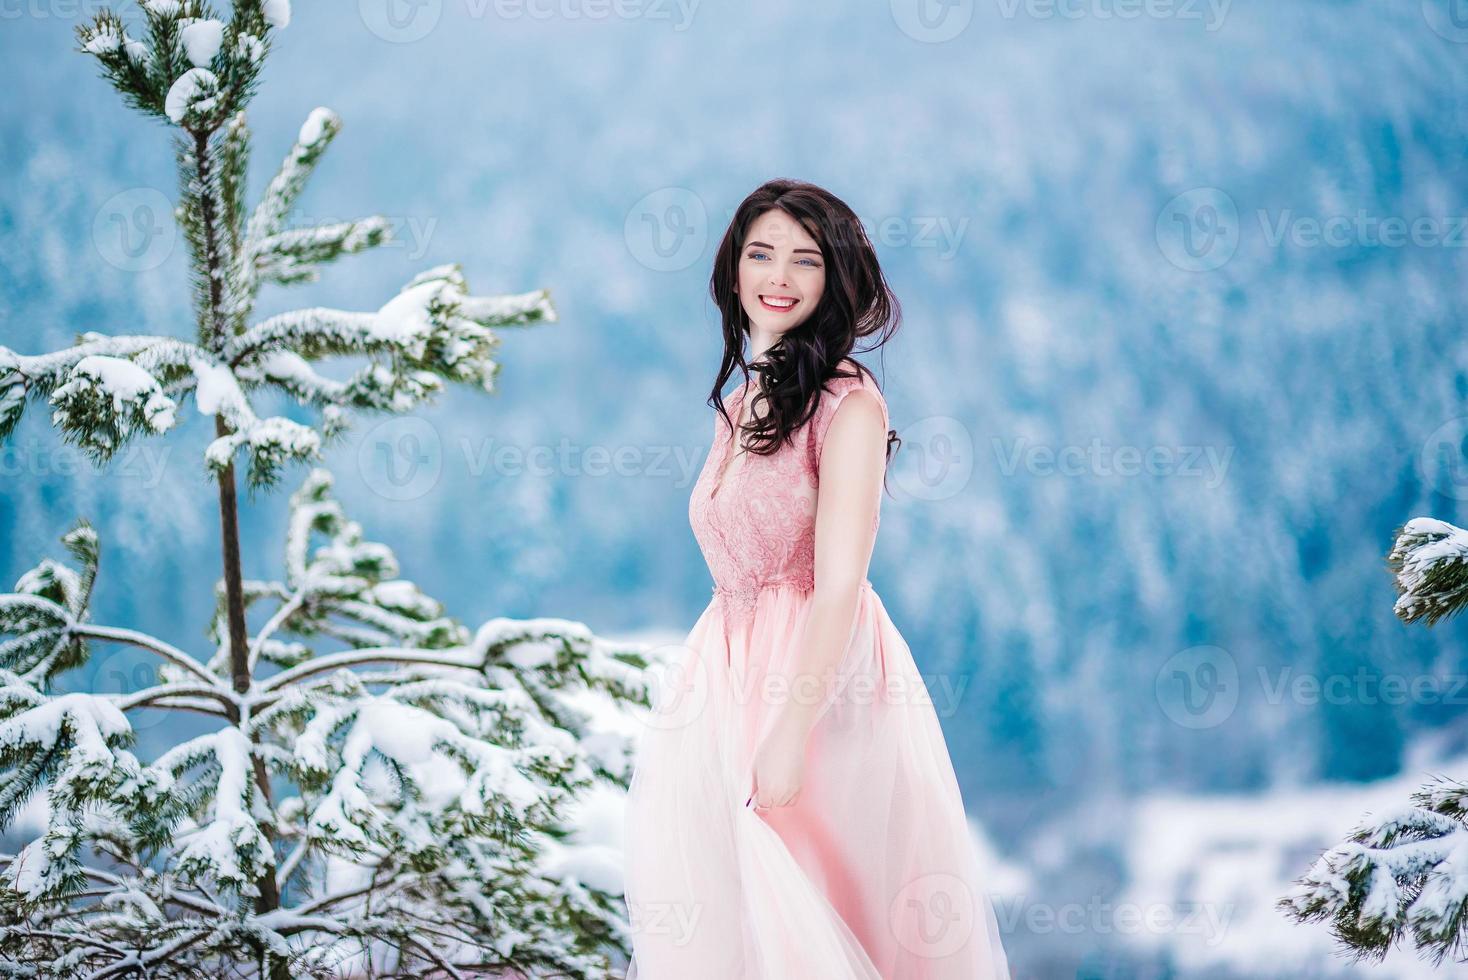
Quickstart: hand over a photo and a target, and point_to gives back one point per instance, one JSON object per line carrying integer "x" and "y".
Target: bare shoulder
{"x": 860, "y": 381}
{"x": 859, "y": 406}
{"x": 855, "y": 405}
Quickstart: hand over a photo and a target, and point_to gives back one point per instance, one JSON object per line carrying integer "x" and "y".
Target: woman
{"x": 793, "y": 812}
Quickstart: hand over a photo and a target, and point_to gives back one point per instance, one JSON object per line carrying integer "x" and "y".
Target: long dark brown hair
{"x": 857, "y": 303}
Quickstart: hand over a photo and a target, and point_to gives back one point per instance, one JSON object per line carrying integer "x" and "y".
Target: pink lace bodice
{"x": 757, "y": 529}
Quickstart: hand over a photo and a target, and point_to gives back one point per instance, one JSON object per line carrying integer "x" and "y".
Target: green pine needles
{"x": 1404, "y": 874}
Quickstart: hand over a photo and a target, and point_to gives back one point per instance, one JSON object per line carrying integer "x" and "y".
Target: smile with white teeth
{"x": 779, "y": 304}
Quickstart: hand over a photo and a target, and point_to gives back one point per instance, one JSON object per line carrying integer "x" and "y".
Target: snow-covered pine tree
{"x": 408, "y": 812}
{"x": 412, "y": 817}
{"x": 1404, "y": 873}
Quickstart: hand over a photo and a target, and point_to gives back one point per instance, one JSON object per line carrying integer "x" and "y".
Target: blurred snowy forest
{"x": 1182, "y": 294}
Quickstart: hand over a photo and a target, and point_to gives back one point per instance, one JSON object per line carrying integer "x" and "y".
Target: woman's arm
{"x": 853, "y": 459}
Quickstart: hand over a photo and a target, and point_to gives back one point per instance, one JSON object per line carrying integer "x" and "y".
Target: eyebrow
{"x": 811, "y": 251}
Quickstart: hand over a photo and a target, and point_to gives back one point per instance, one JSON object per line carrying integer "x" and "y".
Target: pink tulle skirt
{"x": 870, "y": 875}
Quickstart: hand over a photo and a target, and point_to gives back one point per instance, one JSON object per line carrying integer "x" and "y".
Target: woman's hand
{"x": 779, "y": 762}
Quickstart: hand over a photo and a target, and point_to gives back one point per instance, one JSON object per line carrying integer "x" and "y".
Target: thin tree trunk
{"x": 234, "y": 591}
{"x": 215, "y": 267}
{"x": 239, "y": 640}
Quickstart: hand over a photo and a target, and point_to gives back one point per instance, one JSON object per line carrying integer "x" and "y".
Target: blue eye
{"x": 757, "y": 254}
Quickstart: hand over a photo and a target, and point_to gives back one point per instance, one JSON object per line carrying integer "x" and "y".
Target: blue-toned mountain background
{"x": 1183, "y": 295}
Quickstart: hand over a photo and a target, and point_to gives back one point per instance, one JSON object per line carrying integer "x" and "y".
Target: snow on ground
{"x": 1236, "y": 854}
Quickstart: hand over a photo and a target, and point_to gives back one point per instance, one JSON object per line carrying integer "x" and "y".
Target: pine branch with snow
{"x": 1405, "y": 874}
{"x": 187, "y": 66}
{"x": 416, "y": 775}
{"x": 1429, "y": 559}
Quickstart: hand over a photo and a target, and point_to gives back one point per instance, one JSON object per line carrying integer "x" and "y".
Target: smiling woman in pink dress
{"x": 793, "y": 812}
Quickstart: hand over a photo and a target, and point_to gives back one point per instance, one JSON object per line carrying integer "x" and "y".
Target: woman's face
{"x": 781, "y": 273}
